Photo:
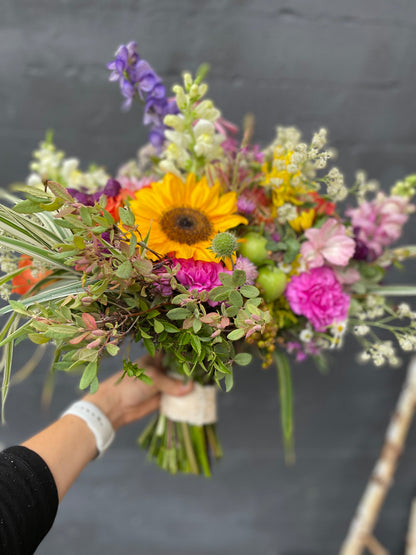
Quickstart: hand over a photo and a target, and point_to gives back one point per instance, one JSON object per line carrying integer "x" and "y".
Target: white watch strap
{"x": 97, "y": 422}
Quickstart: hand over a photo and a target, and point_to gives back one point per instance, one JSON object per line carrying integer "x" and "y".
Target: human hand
{"x": 129, "y": 399}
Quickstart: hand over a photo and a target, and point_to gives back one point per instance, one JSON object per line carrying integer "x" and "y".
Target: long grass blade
{"x": 6, "y": 364}
{"x": 394, "y": 290}
{"x": 59, "y": 292}
{"x": 33, "y": 251}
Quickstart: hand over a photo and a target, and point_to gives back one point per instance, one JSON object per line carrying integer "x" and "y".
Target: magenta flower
{"x": 330, "y": 243}
{"x": 198, "y": 274}
{"x": 318, "y": 296}
{"x": 379, "y": 222}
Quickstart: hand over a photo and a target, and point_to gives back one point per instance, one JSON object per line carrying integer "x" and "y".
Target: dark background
{"x": 346, "y": 65}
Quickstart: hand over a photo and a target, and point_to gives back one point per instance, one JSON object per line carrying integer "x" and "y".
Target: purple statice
{"x": 138, "y": 79}
{"x": 111, "y": 190}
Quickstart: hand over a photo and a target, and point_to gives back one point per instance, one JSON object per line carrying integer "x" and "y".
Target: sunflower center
{"x": 186, "y": 225}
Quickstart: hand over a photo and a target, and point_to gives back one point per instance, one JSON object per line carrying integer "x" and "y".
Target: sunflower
{"x": 183, "y": 218}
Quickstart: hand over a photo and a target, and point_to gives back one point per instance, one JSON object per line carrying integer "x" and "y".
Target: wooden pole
{"x": 411, "y": 535}
{"x": 364, "y": 521}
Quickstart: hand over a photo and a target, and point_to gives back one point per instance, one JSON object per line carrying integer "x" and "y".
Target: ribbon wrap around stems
{"x": 197, "y": 408}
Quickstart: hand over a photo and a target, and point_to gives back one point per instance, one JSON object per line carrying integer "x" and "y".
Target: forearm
{"x": 66, "y": 446}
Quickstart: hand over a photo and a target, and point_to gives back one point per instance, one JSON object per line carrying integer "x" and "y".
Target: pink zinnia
{"x": 379, "y": 222}
{"x": 318, "y": 296}
{"x": 329, "y": 243}
{"x": 198, "y": 274}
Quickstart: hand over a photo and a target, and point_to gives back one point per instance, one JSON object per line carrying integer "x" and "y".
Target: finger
{"x": 146, "y": 407}
{"x": 169, "y": 385}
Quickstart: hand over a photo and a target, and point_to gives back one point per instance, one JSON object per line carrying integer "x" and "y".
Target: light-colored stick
{"x": 365, "y": 518}
{"x": 411, "y": 535}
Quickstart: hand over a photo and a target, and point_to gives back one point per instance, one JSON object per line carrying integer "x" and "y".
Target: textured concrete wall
{"x": 347, "y": 65}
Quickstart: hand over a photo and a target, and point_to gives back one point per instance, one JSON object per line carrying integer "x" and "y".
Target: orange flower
{"x": 322, "y": 206}
{"x": 26, "y": 280}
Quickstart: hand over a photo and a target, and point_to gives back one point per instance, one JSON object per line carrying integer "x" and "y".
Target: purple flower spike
{"x": 137, "y": 79}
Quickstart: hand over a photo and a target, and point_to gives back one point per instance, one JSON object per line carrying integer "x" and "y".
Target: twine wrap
{"x": 197, "y": 408}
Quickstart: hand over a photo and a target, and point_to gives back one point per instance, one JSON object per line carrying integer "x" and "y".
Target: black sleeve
{"x": 28, "y": 501}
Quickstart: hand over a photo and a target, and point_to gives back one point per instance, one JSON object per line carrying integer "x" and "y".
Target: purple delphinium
{"x": 138, "y": 79}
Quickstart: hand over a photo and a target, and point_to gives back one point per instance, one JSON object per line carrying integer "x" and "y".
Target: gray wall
{"x": 347, "y": 65}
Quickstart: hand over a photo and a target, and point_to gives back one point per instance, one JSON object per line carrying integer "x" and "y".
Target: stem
{"x": 365, "y": 518}
{"x": 197, "y": 434}
{"x": 189, "y": 449}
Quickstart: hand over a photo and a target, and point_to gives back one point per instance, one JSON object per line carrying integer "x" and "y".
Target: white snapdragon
{"x": 193, "y": 139}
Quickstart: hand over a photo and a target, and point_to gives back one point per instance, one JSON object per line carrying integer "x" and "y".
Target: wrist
{"x": 109, "y": 404}
{"x": 96, "y": 420}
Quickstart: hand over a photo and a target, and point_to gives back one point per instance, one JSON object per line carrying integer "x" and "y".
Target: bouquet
{"x": 207, "y": 248}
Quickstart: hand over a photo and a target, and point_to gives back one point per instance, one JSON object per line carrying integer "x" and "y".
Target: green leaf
{"x": 111, "y": 349}
{"x": 85, "y": 216}
{"x": 59, "y": 190}
{"x": 231, "y": 311}
{"x": 235, "y": 299}
{"x": 94, "y": 386}
{"x": 249, "y": 291}
{"x": 124, "y": 270}
{"x": 196, "y": 343}
{"x": 27, "y": 207}
{"x": 239, "y": 278}
{"x": 18, "y": 307}
{"x": 132, "y": 245}
{"x": 126, "y": 216}
{"x": 243, "y": 359}
{"x": 170, "y": 328}
{"x": 293, "y": 248}
{"x": 226, "y": 279}
{"x": 196, "y": 325}
{"x": 51, "y": 206}
{"x": 38, "y": 338}
{"x": 236, "y": 334}
{"x": 178, "y": 314}
{"x": 219, "y": 294}
{"x": 87, "y": 355}
{"x": 90, "y": 372}
{"x": 60, "y": 331}
{"x": 158, "y": 326}
{"x": 151, "y": 349}
{"x": 229, "y": 381}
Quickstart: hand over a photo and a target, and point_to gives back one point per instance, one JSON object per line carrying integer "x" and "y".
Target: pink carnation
{"x": 379, "y": 222}
{"x": 197, "y": 274}
{"x": 318, "y": 296}
{"x": 329, "y": 243}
